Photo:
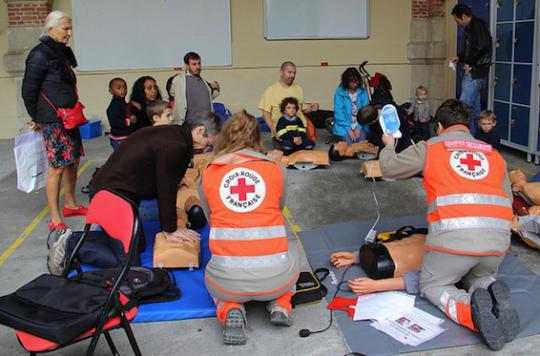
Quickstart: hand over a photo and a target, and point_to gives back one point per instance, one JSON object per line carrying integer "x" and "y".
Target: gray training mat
{"x": 361, "y": 337}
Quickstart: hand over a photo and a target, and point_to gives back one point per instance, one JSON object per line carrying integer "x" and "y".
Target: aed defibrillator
{"x": 394, "y": 253}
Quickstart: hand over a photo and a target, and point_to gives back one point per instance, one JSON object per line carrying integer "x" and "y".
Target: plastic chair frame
{"x": 113, "y": 298}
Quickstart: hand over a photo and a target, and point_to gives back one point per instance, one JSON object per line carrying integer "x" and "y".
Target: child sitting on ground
{"x": 290, "y": 130}
{"x": 420, "y": 110}
{"x": 159, "y": 112}
{"x": 364, "y": 285}
{"x": 487, "y": 122}
{"x": 118, "y": 114}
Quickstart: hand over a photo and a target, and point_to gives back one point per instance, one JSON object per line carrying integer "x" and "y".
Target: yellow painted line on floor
{"x": 28, "y": 230}
{"x": 295, "y": 228}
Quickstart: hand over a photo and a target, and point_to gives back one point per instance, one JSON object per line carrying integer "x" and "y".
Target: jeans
{"x": 115, "y": 143}
{"x": 350, "y": 141}
{"x": 288, "y": 146}
{"x": 470, "y": 95}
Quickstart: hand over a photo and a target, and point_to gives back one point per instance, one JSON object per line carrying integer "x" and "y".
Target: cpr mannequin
{"x": 371, "y": 169}
{"x": 520, "y": 185}
{"x": 316, "y": 158}
{"x": 184, "y": 254}
{"x": 392, "y": 265}
{"x": 342, "y": 150}
{"x": 188, "y": 205}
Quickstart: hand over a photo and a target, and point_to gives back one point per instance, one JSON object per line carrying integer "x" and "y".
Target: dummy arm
{"x": 367, "y": 285}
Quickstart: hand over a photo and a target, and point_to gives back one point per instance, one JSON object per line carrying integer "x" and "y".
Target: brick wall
{"x": 27, "y": 13}
{"x": 423, "y": 9}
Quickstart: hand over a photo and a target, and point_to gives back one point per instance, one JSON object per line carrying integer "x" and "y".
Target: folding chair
{"x": 52, "y": 312}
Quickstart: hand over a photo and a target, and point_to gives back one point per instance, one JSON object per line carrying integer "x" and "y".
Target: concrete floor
{"x": 323, "y": 196}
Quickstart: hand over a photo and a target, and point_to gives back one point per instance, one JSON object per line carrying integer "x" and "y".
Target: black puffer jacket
{"x": 477, "y": 47}
{"x": 48, "y": 69}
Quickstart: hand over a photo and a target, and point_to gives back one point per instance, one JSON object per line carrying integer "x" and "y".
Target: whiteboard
{"x": 137, "y": 34}
{"x": 316, "y": 19}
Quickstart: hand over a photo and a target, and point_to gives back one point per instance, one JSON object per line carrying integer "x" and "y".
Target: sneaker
{"x": 56, "y": 260}
{"x": 487, "y": 324}
{"x": 235, "y": 328}
{"x": 503, "y": 310}
{"x": 280, "y": 318}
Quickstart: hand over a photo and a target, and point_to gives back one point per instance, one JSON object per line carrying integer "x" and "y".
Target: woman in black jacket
{"x": 50, "y": 81}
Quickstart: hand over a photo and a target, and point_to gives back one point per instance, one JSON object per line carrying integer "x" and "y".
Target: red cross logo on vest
{"x": 469, "y": 164}
{"x": 242, "y": 190}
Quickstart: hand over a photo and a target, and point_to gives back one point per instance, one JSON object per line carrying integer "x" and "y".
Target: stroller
{"x": 378, "y": 86}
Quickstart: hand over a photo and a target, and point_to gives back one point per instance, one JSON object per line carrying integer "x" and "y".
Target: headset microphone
{"x": 307, "y": 332}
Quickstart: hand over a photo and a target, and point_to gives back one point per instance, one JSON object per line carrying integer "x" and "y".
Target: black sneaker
{"x": 503, "y": 310}
{"x": 487, "y": 324}
{"x": 235, "y": 328}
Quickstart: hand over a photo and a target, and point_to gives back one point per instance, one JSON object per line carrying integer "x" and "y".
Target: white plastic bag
{"x": 31, "y": 161}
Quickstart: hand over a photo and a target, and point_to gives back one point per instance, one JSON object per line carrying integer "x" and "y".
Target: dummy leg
{"x": 280, "y": 308}
{"x": 233, "y": 317}
{"x": 440, "y": 272}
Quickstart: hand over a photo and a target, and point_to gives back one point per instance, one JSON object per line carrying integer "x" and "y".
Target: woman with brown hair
{"x": 244, "y": 193}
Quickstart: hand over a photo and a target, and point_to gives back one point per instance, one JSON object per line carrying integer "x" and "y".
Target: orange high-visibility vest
{"x": 463, "y": 182}
{"x": 247, "y": 229}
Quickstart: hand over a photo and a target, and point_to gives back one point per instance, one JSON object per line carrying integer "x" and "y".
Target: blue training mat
{"x": 195, "y": 302}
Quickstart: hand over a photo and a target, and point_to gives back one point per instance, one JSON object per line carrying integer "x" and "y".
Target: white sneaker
{"x": 56, "y": 261}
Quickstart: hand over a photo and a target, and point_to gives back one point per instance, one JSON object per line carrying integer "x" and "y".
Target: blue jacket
{"x": 343, "y": 109}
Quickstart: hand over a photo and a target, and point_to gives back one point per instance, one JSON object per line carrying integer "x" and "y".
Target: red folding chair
{"x": 48, "y": 312}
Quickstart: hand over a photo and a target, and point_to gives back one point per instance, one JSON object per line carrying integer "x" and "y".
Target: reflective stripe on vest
{"x": 471, "y": 198}
{"x": 254, "y": 233}
{"x": 463, "y": 181}
{"x": 469, "y": 223}
{"x": 251, "y": 262}
{"x": 245, "y": 236}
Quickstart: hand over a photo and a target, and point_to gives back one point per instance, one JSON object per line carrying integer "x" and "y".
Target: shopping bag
{"x": 31, "y": 161}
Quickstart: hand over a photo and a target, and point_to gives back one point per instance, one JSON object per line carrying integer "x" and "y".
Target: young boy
{"x": 118, "y": 114}
{"x": 160, "y": 113}
{"x": 290, "y": 130}
{"x": 369, "y": 115}
{"x": 420, "y": 110}
{"x": 487, "y": 122}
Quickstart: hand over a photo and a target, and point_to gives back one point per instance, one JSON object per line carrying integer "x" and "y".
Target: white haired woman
{"x": 50, "y": 81}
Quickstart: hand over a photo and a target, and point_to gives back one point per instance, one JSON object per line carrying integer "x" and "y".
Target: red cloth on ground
{"x": 341, "y": 303}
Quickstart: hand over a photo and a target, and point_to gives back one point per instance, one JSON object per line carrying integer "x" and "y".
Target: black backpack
{"x": 142, "y": 285}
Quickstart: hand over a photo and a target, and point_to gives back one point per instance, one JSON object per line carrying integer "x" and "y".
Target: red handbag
{"x": 71, "y": 118}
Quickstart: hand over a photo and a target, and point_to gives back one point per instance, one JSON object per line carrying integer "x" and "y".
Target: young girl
{"x": 144, "y": 91}
{"x": 250, "y": 253}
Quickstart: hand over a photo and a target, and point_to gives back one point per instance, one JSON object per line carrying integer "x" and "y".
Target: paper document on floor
{"x": 413, "y": 327}
{"x": 378, "y": 306}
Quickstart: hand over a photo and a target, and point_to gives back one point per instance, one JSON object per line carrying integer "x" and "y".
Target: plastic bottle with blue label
{"x": 389, "y": 121}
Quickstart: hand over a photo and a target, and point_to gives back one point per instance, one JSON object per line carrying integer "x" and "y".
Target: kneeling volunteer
{"x": 243, "y": 193}
{"x": 469, "y": 215}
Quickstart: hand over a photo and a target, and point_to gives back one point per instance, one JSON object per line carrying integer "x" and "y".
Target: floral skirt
{"x": 63, "y": 146}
